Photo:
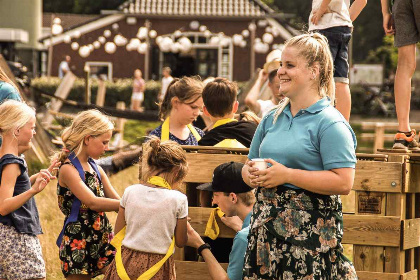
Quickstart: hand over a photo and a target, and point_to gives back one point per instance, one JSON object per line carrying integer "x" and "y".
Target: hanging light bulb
{"x": 110, "y": 47}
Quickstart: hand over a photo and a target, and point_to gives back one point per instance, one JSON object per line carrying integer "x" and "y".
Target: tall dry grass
{"x": 52, "y": 218}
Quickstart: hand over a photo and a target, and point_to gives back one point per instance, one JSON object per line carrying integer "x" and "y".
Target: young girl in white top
{"x": 20, "y": 250}
{"x": 153, "y": 216}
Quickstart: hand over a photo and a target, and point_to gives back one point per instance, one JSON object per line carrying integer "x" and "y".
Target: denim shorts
{"x": 407, "y": 22}
{"x": 338, "y": 39}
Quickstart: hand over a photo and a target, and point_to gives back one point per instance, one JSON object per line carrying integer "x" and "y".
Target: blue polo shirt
{"x": 7, "y": 91}
{"x": 237, "y": 255}
{"x": 316, "y": 138}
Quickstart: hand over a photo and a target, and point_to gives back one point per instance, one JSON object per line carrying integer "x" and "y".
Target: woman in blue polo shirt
{"x": 297, "y": 223}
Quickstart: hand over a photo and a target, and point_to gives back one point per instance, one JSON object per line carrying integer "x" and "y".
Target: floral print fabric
{"x": 296, "y": 235}
{"x": 86, "y": 247}
{"x": 20, "y": 255}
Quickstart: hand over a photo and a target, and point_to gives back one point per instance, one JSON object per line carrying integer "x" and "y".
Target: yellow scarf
{"x": 165, "y": 131}
{"x": 222, "y": 122}
{"x": 212, "y": 228}
{"x": 117, "y": 243}
{"x": 227, "y": 143}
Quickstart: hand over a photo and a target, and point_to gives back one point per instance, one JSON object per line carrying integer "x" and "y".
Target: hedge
{"x": 120, "y": 90}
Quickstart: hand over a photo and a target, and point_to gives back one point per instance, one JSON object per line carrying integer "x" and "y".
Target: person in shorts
{"x": 139, "y": 86}
{"x": 404, "y": 23}
{"x": 334, "y": 19}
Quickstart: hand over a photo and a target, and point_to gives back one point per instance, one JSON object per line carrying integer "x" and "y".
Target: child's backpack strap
{"x": 74, "y": 212}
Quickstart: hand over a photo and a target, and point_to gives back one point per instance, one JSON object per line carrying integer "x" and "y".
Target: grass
{"x": 52, "y": 219}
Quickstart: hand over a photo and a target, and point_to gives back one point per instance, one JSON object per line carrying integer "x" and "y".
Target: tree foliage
{"x": 80, "y": 6}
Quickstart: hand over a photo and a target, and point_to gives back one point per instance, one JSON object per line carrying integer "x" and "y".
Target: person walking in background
{"x": 139, "y": 86}
{"x": 64, "y": 67}
{"x": 404, "y": 22}
{"x": 297, "y": 222}
{"x": 166, "y": 80}
{"x": 182, "y": 104}
{"x": 153, "y": 216}
{"x": 334, "y": 19}
{"x": 84, "y": 195}
{"x": 262, "y": 107}
{"x": 20, "y": 250}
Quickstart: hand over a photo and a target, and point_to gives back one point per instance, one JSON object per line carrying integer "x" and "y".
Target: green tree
{"x": 80, "y": 6}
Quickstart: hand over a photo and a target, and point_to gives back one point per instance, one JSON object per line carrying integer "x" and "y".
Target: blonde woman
{"x": 20, "y": 250}
{"x": 297, "y": 223}
{"x": 181, "y": 105}
{"x": 84, "y": 195}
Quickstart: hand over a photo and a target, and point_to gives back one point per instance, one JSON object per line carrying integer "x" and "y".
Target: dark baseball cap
{"x": 227, "y": 178}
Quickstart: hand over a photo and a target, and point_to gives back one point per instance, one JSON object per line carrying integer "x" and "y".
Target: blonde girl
{"x": 20, "y": 250}
{"x": 181, "y": 105}
{"x": 153, "y": 216}
{"x": 84, "y": 195}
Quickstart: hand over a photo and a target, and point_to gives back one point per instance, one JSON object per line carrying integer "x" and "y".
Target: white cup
{"x": 260, "y": 163}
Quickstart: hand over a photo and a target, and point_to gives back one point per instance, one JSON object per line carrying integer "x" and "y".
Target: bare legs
{"x": 402, "y": 86}
{"x": 343, "y": 99}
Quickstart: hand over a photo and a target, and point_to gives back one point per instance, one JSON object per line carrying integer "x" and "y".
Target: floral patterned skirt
{"x": 296, "y": 235}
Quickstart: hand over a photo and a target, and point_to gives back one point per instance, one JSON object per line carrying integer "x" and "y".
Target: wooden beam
{"x": 372, "y": 230}
{"x": 201, "y": 166}
{"x": 378, "y": 176}
{"x": 367, "y": 275}
{"x": 193, "y": 270}
{"x": 411, "y": 233}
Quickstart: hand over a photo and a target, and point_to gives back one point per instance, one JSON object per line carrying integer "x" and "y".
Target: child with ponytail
{"x": 152, "y": 217}
{"x": 181, "y": 105}
{"x": 20, "y": 250}
{"x": 84, "y": 194}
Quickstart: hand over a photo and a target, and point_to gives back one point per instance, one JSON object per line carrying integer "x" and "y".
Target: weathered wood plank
{"x": 372, "y": 230}
{"x": 367, "y": 275}
{"x": 378, "y": 176}
{"x": 413, "y": 185}
{"x": 411, "y": 233}
{"x": 193, "y": 270}
{"x": 201, "y": 166}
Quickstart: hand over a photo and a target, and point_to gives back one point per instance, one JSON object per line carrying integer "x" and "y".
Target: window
{"x": 99, "y": 70}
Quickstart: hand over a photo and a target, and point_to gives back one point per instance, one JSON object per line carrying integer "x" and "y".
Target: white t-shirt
{"x": 265, "y": 107}
{"x": 337, "y": 14}
{"x": 64, "y": 66}
{"x": 151, "y": 215}
{"x": 165, "y": 83}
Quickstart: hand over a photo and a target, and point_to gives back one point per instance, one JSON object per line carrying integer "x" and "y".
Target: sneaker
{"x": 404, "y": 142}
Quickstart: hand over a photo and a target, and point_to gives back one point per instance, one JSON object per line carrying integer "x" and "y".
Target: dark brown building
{"x": 228, "y": 38}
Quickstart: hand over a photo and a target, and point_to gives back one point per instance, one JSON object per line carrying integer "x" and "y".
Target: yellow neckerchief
{"x": 212, "y": 228}
{"x": 222, "y": 122}
{"x": 165, "y": 131}
{"x": 227, "y": 143}
{"x": 119, "y": 237}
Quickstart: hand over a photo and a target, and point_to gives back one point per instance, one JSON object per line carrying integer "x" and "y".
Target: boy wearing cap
{"x": 259, "y": 106}
{"x": 220, "y": 105}
{"x": 234, "y": 198}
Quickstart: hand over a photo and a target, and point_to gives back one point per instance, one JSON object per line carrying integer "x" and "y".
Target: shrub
{"x": 120, "y": 90}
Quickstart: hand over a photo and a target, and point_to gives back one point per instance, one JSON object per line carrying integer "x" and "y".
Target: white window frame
{"x": 101, "y": 63}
